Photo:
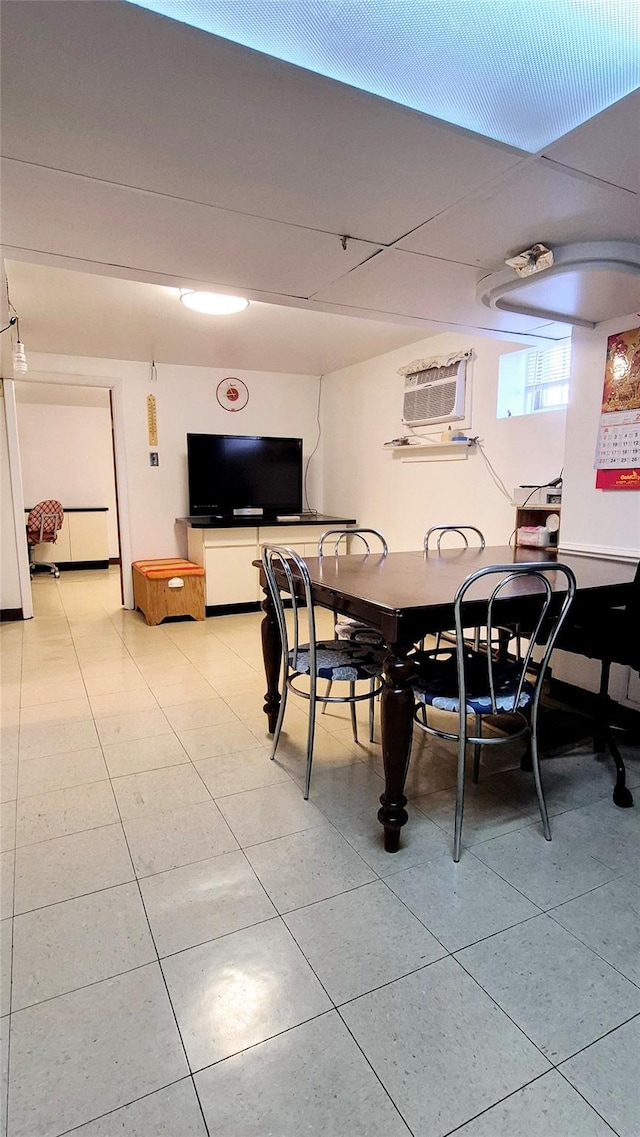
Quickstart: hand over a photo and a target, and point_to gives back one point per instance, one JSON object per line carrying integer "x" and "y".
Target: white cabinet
{"x": 83, "y": 537}
{"x": 88, "y": 536}
{"x": 227, "y": 556}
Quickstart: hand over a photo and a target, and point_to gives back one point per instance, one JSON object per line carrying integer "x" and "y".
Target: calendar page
{"x": 618, "y": 447}
{"x": 619, "y": 441}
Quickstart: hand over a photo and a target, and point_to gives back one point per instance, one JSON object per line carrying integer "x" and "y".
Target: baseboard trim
{"x": 71, "y": 566}
{"x": 10, "y": 614}
{"x": 604, "y": 552}
{"x": 587, "y": 701}
{"x": 232, "y": 609}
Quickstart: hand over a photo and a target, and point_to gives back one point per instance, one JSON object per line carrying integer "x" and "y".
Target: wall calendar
{"x": 618, "y": 448}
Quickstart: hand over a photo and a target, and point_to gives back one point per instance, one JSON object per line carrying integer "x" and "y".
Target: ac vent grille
{"x": 436, "y": 394}
{"x": 429, "y": 402}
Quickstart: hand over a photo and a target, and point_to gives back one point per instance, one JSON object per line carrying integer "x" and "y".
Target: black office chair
{"x": 335, "y": 660}
{"x": 467, "y": 682}
{"x": 610, "y": 636}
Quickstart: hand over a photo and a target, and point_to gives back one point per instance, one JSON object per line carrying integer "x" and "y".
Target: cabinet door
{"x": 231, "y": 578}
{"x": 88, "y": 536}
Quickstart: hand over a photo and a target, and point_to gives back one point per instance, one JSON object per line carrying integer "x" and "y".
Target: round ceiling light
{"x": 213, "y": 303}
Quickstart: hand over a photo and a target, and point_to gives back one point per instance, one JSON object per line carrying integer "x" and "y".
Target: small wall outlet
{"x": 154, "y": 459}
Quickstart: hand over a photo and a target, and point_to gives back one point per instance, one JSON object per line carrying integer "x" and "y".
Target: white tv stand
{"x": 227, "y": 547}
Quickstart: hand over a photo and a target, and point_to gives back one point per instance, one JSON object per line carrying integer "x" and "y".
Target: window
{"x": 534, "y": 380}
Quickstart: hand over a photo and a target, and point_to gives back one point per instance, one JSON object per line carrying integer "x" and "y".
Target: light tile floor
{"x": 190, "y": 949}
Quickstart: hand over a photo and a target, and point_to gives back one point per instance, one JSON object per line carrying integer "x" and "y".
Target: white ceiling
{"x": 142, "y": 150}
{"x": 72, "y": 313}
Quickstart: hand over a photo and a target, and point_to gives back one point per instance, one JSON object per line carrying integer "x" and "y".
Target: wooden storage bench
{"x": 157, "y": 593}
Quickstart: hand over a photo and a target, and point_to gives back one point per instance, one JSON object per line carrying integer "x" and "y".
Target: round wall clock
{"x": 232, "y": 394}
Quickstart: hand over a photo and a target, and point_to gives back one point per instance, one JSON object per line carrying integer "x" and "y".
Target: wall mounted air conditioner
{"x": 435, "y": 394}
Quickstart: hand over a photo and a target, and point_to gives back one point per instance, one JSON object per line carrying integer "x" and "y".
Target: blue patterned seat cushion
{"x": 356, "y": 631}
{"x": 336, "y": 659}
{"x": 437, "y": 683}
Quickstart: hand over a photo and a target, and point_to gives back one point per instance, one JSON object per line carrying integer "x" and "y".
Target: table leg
{"x": 272, "y": 655}
{"x": 397, "y": 730}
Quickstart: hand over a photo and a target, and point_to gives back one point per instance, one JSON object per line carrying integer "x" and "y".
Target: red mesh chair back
{"x": 44, "y": 521}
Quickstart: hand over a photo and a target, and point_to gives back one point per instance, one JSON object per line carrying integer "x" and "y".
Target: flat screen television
{"x": 233, "y": 473}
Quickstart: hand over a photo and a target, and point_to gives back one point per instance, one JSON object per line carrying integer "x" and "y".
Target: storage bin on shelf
{"x": 168, "y": 587}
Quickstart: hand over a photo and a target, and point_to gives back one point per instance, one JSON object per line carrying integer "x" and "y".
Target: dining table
{"x": 409, "y": 595}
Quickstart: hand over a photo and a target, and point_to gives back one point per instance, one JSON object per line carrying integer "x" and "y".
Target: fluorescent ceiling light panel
{"x": 523, "y": 72}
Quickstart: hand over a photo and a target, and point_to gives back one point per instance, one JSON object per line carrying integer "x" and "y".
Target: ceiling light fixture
{"x": 212, "y": 303}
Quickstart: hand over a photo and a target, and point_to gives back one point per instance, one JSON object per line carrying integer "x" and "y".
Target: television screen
{"x": 232, "y": 472}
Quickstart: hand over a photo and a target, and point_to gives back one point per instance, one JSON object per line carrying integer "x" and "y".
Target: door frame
{"x": 69, "y": 379}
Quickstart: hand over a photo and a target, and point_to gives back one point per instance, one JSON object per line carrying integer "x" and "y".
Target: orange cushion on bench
{"x": 165, "y": 569}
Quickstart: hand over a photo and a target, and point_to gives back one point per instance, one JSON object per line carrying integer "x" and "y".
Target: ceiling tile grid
{"x": 540, "y": 203}
{"x": 83, "y": 218}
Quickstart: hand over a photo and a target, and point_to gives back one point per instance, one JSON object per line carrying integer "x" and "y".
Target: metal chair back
{"x": 542, "y": 632}
{"x": 344, "y": 534}
{"x": 461, "y": 530}
{"x": 281, "y": 558}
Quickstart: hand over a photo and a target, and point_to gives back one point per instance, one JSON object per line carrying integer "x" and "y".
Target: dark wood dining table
{"x": 407, "y": 596}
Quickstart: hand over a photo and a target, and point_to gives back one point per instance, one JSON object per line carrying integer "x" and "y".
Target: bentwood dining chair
{"x": 347, "y": 627}
{"x": 432, "y": 542}
{"x": 504, "y": 634}
{"x": 304, "y": 663}
{"x": 461, "y": 530}
{"x": 467, "y": 682}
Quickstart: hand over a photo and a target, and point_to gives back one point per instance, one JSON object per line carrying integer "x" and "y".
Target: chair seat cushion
{"x": 167, "y": 567}
{"x": 356, "y": 631}
{"x": 437, "y": 683}
{"x": 336, "y": 659}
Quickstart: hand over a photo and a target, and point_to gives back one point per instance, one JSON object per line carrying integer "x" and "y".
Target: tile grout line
{"x": 160, "y": 968}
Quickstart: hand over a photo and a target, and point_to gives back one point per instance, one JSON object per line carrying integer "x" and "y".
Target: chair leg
{"x": 476, "y": 750}
{"x": 310, "y": 737}
{"x": 328, "y": 692}
{"x": 462, "y": 750}
{"x": 603, "y": 738}
{"x": 354, "y": 718}
{"x": 372, "y": 705}
{"x": 622, "y": 795}
{"x": 280, "y": 719}
{"x": 535, "y": 762}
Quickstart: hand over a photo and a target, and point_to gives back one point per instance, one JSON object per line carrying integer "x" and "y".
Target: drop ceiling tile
{"x": 63, "y": 214}
{"x": 540, "y": 203}
{"x": 118, "y": 93}
{"x": 405, "y": 284}
{"x": 607, "y": 147}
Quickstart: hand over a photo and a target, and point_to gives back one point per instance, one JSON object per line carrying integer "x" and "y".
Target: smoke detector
{"x": 535, "y": 259}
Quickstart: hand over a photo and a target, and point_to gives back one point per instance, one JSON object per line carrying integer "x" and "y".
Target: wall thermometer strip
{"x": 152, "y": 420}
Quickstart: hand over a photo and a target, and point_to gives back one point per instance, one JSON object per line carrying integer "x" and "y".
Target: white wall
{"x": 361, "y": 409}
{"x": 186, "y": 401}
{"x": 10, "y": 596}
{"x": 606, "y": 521}
{"x": 67, "y": 455}
{"x": 600, "y": 520}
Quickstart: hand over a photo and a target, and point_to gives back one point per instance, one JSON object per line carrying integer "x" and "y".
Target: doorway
{"x": 66, "y": 436}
